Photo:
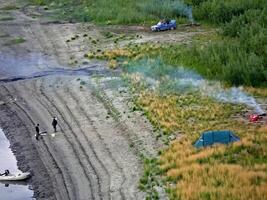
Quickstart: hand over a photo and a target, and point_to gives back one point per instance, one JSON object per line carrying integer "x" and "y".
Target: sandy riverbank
{"x": 95, "y": 153}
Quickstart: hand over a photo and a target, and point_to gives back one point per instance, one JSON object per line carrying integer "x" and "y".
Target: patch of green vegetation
{"x": 39, "y": 2}
{"x": 7, "y": 18}
{"x": 234, "y": 61}
{"x": 3, "y": 35}
{"x": 94, "y": 42}
{"x": 207, "y": 37}
{"x": 151, "y": 178}
{"x": 82, "y": 82}
{"x": 9, "y": 7}
{"x": 118, "y": 11}
{"x": 15, "y": 41}
{"x": 240, "y": 56}
{"x": 108, "y": 34}
{"x": 219, "y": 11}
{"x": 225, "y": 61}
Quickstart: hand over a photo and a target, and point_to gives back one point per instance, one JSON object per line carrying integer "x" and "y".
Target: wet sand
{"x": 11, "y": 190}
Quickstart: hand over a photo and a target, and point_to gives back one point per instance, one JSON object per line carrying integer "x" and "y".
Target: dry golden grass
{"x": 237, "y": 171}
{"x": 131, "y": 52}
{"x": 114, "y": 53}
{"x": 194, "y": 180}
{"x": 188, "y": 114}
{"x": 257, "y": 91}
{"x": 113, "y": 64}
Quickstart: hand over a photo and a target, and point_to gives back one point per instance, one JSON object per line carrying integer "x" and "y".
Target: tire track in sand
{"x": 99, "y": 140}
{"x": 48, "y": 106}
{"x": 39, "y": 107}
{"x": 88, "y": 147}
{"x": 94, "y": 107}
{"x": 47, "y": 148}
{"x": 75, "y": 138}
{"x": 72, "y": 115}
{"x": 71, "y": 146}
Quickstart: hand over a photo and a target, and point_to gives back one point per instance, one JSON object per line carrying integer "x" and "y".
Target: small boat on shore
{"x": 15, "y": 177}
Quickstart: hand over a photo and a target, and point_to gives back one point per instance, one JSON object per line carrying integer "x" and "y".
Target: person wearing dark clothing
{"x": 54, "y": 124}
{"x": 6, "y": 173}
{"x": 37, "y": 132}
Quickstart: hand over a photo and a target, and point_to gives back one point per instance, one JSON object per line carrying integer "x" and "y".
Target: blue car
{"x": 164, "y": 25}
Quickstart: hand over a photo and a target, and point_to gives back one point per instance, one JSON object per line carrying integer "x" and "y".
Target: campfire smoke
{"x": 236, "y": 95}
{"x": 189, "y": 14}
{"x": 178, "y": 79}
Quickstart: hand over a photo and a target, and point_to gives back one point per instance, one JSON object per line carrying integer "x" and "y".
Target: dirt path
{"x": 95, "y": 153}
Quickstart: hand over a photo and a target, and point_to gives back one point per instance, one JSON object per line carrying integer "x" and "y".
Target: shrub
{"x": 219, "y": 11}
{"x": 119, "y": 11}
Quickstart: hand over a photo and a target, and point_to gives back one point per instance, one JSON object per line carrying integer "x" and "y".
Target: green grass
{"x": 151, "y": 178}
{"x": 9, "y": 7}
{"x": 118, "y": 11}
{"x": 234, "y": 61}
{"x": 15, "y": 41}
{"x": 212, "y": 56}
{"x": 240, "y": 56}
{"x": 219, "y": 11}
{"x": 6, "y": 18}
{"x": 223, "y": 60}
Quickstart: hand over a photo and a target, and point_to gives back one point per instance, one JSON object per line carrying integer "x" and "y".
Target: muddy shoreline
{"x": 28, "y": 158}
{"x": 90, "y": 157}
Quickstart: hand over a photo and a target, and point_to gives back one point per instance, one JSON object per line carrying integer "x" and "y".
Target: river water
{"x": 11, "y": 190}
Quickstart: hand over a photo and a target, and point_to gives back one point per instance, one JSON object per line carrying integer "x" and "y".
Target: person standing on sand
{"x": 37, "y": 129}
{"x": 54, "y": 124}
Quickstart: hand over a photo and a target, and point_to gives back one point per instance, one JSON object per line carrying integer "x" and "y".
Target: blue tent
{"x": 210, "y": 137}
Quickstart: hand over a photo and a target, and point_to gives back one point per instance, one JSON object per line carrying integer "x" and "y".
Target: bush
{"x": 219, "y": 11}
{"x": 225, "y": 61}
{"x": 119, "y": 11}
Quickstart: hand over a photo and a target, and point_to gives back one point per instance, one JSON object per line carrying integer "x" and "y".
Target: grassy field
{"x": 119, "y": 11}
{"x": 239, "y": 58}
{"x": 220, "y": 172}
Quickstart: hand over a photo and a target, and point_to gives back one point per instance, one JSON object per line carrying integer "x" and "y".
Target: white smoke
{"x": 189, "y": 14}
{"x": 178, "y": 79}
{"x": 231, "y": 95}
{"x": 217, "y": 91}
